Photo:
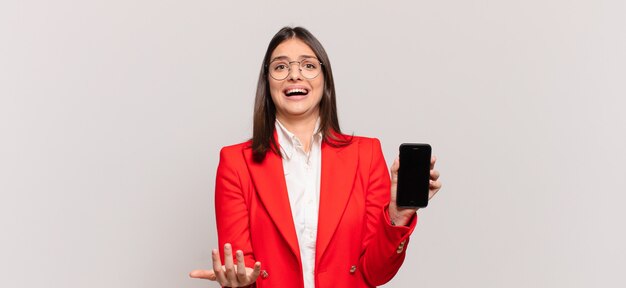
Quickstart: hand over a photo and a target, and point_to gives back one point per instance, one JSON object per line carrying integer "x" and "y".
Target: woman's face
{"x": 295, "y": 97}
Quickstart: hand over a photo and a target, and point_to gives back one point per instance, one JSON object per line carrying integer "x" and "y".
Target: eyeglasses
{"x": 279, "y": 69}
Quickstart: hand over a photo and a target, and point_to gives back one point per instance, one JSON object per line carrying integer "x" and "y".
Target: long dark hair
{"x": 265, "y": 110}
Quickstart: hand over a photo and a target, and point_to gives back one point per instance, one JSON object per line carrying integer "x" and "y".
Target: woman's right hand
{"x": 229, "y": 274}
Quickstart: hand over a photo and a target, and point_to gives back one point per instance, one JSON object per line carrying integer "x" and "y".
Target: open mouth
{"x": 296, "y": 92}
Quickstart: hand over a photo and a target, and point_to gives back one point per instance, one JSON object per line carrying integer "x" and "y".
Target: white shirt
{"x": 302, "y": 174}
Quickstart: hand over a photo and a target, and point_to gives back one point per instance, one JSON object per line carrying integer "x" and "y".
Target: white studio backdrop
{"x": 112, "y": 114}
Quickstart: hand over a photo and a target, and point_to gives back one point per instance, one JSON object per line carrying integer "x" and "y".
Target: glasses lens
{"x": 310, "y": 68}
{"x": 279, "y": 70}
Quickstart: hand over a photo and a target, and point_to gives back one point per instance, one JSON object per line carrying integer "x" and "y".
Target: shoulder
{"x": 340, "y": 139}
{"x": 234, "y": 153}
{"x": 366, "y": 144}
{"x": 364, "y": 147}
{"x": 370, "y": 154}
{"x": 366, "y": 140}
{"x": 236, "y": 148}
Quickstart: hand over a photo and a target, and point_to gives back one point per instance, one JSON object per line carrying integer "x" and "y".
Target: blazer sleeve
{"x": 384, "y": 245}
{"x": 231, "y": 209}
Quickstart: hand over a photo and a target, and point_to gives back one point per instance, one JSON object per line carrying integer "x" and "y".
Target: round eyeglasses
{"x": 279, "y": 69}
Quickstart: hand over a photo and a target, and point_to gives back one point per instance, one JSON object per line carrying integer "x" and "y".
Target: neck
{"x": 303, "y": 128}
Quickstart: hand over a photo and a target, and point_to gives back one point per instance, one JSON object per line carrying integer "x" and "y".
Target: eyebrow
{"x": 287, "y": 58}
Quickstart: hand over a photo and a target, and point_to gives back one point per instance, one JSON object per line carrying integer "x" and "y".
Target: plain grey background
{"x": 112, "y": 114}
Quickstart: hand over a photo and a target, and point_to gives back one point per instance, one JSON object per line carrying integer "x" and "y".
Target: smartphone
{"x": 413, "y": 175}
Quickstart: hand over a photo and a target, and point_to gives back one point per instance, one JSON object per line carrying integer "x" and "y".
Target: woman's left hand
{"x": 402, "y": 216}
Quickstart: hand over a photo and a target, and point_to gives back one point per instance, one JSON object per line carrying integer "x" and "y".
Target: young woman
{"x": 314, "y": 206}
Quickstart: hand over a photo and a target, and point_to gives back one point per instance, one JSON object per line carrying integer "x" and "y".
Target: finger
{"x": 203, "y": 274}
{"x": 434, "y": 185}
{"x": 241, "y": 267}
{"x": 433, "y": 159}
{"x": 256, "y": 272}
{"x": 228, "y": 263}
{"x": 217, "y": 267}
{"x": 434, "y": 175}
{"x": 394, "y": 169}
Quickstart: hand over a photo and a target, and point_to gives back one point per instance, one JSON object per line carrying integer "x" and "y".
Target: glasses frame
{"x": 289, "y": 63}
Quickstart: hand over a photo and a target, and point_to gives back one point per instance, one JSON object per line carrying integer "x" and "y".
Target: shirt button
{"x": 352, "y": 269}
{"x": 264, "y": 274}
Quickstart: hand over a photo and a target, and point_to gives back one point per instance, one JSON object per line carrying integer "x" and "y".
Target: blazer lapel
{"x": 337, "y": 179}
{"x": 269, "y": 180}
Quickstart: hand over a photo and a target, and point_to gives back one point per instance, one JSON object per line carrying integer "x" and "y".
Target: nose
{"x": 294, "y": 72}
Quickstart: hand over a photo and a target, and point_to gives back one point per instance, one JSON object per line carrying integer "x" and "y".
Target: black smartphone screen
{"x": 413, "y": 175}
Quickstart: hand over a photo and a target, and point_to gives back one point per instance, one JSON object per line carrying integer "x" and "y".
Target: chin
{"x": 298, "y": 112}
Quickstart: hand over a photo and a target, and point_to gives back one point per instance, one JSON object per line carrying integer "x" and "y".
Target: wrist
{"x": 400, "y": 218}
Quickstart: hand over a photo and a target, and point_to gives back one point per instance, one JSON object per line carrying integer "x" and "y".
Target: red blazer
{"x": 356, "y": 244}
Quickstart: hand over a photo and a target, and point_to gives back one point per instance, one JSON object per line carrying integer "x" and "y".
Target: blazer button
{"x": 264, "y": 274}
{"x": 352, "y": 269}
{"x": 401, "y": 247}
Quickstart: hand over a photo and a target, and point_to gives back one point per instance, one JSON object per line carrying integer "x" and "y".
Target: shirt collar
{"x": 288, "y": 141}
